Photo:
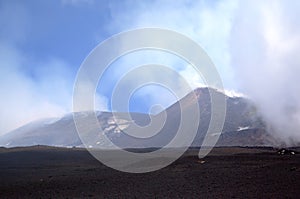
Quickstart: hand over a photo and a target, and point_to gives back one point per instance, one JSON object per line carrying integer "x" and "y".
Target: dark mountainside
{"x": 242, "y": 127}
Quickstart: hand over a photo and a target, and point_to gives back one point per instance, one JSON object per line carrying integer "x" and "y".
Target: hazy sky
{"x": 254, "y": 45}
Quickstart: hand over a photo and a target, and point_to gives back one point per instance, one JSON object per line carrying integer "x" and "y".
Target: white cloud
{"x": 265, "y": 46}
{"x": 22, "y": 99}
{"x": 192, "y": 77}
{"x": 208, "y": 23}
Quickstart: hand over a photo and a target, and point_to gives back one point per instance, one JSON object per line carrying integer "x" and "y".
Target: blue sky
{"x": 43, "y": 43}
{"x": 54, "y": 29}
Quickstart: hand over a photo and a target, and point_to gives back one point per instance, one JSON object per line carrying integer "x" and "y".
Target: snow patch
{"x": 233, "y": 93}
{"x": 117, "y": 124}
{"x": 243, "y": 128}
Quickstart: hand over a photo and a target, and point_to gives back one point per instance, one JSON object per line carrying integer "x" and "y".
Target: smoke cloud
{"x": 265, "y": 46}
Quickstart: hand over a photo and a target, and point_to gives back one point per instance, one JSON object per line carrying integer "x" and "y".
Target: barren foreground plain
{"x": 228, "y": 172}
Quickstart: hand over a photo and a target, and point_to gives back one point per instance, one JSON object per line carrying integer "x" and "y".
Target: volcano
{"x": 242, "y": 127}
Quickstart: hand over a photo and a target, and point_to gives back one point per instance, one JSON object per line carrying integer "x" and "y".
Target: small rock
{"x": 201, "y": 161}
{"x": 293, "y": 169}
{"x": 286, "y": 152}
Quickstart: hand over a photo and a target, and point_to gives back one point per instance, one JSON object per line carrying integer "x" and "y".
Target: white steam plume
{"x": 265, "y": 43}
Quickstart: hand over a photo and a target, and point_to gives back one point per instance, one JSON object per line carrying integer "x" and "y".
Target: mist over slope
{"x": 264, "y": 47}
{"x": 242, "y": 127}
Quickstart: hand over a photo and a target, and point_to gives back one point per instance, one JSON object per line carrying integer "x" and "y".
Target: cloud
{"x": 31, "y": 87}
{"x": 24, "y": 99}
{"x": 34, "y": 89}
{"x": 265, "y": 43}
{"x": 208, "y": 23}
